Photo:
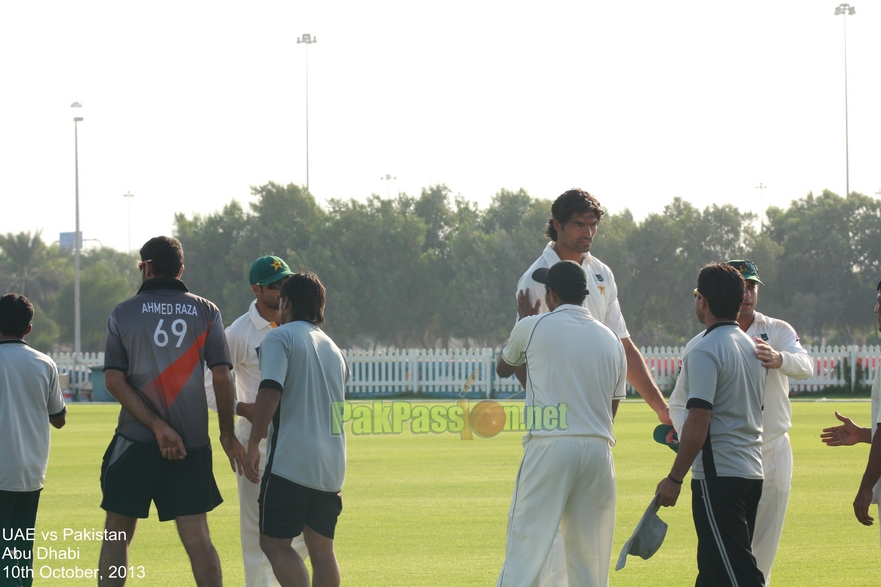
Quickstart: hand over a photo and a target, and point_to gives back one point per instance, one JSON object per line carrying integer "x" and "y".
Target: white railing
{"x": 442, "y": 373}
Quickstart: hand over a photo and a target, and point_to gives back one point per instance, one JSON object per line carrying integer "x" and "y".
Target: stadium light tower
{"x": 77, "y": 243}
{"x": 128, "y": 196}
{"x": 761, "y": 187}
{"x": 307, "y": 40}
{"x": 388, "y": 177}
{"x": 844, "y": 10}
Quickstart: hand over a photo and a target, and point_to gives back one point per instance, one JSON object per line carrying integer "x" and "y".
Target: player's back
{"x": 162, "y": 338}
{"x": 574, "y": 359}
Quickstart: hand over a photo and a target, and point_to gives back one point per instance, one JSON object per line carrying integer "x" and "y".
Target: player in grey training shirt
{"x": 722, "y": 435}
{"x": 158, "y": 343}
{"x": 304, "y": 375}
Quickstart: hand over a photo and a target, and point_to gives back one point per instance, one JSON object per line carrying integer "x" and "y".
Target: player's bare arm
{"x": 847, "y": 434}
{"x": 245, "y": 410}
{"x": 170, "y": 443}
{"x": 694, "y": 434}
{"x": 264, "y": 408}
{"x": 60, "y": 420}
{"x": 504, "y": 369}
{"x": 223, "y": 392}
{"x": 640, "y": 378}
{"x": 870, "y": 478}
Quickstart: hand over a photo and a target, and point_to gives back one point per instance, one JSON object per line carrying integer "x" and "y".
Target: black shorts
{"x": 134, "y": 474}
{"x": 285, "y": 507}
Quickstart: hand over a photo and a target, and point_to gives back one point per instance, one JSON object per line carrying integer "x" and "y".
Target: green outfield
{"x": 431, "y": 509}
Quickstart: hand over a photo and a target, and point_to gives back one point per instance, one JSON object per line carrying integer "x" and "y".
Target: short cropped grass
{"x": 431, "y": 510}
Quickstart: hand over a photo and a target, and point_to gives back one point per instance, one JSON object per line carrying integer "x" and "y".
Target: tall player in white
{"x": 575, "y": 218}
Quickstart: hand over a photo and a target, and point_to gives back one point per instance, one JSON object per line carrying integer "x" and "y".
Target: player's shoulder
{"x": 240, "y": 326}
{"x": 597, "y": 266}
{"x": 539, "y": 263}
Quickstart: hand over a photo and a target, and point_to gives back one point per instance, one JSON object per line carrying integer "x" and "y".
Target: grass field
{"x": 431, "y": 510}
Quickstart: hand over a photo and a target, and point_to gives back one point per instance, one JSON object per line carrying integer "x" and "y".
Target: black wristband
{"x": 670, "y": 477}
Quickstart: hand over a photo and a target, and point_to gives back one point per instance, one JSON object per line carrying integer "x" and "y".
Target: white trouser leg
{"x": 551, "y": 469}
{"x": 588, "y": 522}
{"x": 258, "y": 571}
{"x": 553, "y": 573}
{"x": 777, "y": 465}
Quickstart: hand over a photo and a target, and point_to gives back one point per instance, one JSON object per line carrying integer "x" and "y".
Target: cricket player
{"x": 244, "y": 337}
{"x": 849, "y": 433}
{"x": 572, "y": 227}
{"x": 575, "y": 365}
{"x": 30, "y": 401}
{"x": 721, "y": 439}
{"x": 779, "y": 349}
{"x": 303, "y": 374}
{"x": 158, "y": 343}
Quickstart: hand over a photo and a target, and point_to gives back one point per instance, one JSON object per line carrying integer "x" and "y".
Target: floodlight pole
{"x": 388, "y": 177}
{"x": 761, "y": 187}
{"x": 307, "y": 40}
{"x": 844, "y": 10}
{"x": 128, "y": 196}
{"x": 77, "y": 332}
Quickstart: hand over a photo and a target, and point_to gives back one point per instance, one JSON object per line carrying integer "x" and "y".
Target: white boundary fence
{"x": 442, "y": 373}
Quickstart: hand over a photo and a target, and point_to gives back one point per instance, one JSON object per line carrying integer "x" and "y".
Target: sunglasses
{"x": 142, "y": 264}
{"x": 696, "y": 293}
{"x": 275, "y": 285}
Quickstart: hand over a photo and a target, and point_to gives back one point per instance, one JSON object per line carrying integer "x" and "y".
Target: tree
{"x": 28, "y": 267}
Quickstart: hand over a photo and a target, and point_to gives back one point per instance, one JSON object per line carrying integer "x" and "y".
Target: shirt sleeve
{"x": 797, "y": 363}
{"x": 216, "y": 348}
{"x": 679, "y": 397}
{"x": 620, "y": 391}
{"x": 614, "y": 318}
{"x": 55, "y": 402}
{"x": 115, "y": 355}
{"x": 273, "y": 359}
{"x": 702, "y": 373}
{"x": 514, "y": 351}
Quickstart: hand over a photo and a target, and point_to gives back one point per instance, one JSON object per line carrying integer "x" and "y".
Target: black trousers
{"x": 18, "y": 515}
{"x": 724, "y": 510}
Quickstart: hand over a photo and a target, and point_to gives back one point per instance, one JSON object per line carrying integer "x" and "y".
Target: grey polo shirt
{"x": 722, "y": 373}
{"x": 162, "y": 338}
{"x": 305, "y": 365}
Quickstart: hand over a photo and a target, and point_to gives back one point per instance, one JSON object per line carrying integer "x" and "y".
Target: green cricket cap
{"x": 665, "y": 434}
{"x": 747, "y": 269}
{"x": 268, "y": 269}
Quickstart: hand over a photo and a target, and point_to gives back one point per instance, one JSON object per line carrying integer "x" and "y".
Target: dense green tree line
{"x": 432, "y": 269}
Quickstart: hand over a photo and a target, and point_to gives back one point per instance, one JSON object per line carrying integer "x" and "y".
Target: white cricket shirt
{"x": 572, "y": 359}
{"x": 244, "y": 337}
{"x": 29, "y": 395}
{"x": 602, "y": 302}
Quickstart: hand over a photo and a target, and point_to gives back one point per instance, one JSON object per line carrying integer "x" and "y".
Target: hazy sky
{"x": 187, "y": 104}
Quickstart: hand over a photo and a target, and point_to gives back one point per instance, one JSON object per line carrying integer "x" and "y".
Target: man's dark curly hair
{"x": 570, "y": 203}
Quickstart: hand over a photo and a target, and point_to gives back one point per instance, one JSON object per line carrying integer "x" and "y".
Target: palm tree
{"x": 25, "y": 266}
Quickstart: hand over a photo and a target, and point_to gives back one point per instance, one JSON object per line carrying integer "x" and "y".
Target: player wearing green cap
{"x": 779, "y": 348}
{"x": 244, "y": 337}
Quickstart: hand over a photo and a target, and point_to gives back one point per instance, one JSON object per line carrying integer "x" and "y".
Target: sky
{"x": 186, "y": 105}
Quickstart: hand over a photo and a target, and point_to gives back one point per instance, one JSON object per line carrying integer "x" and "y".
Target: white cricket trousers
{"x": 777, "y": 465}
{"x": 566, "y": 482}
{"x": 258, "y": 571}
